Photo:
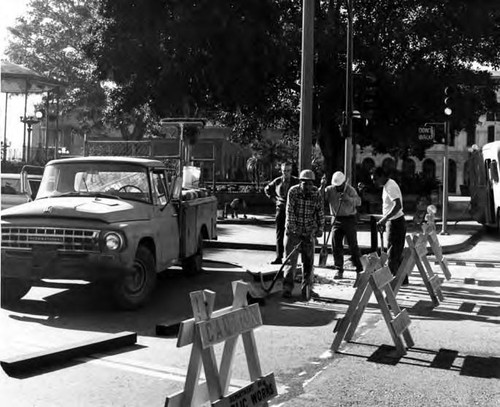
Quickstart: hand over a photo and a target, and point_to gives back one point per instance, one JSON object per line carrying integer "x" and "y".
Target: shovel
{"x": 323, "y": 254}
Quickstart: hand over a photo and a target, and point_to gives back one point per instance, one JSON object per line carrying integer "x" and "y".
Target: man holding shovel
{"x": 304, "y": 222}
{"x": 343, "y": 201}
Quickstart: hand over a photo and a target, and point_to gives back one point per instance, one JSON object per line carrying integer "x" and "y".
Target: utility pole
{"x": 306, "y": 85}
{"x": 348, "y": 148}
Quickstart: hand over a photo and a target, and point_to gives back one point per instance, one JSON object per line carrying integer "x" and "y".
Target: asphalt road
{"x": 293, "y": 343}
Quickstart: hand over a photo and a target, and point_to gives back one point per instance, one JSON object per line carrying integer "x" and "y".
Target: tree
{"x": 239, "y": 63}
{"x": 182, "y": 58}
{"x": 48, "y": 39}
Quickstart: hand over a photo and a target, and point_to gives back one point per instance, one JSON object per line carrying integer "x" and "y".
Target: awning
{"x": 18, "y": 79}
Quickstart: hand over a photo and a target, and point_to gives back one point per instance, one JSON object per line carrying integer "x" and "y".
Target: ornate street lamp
{"x": 29, "y": 121}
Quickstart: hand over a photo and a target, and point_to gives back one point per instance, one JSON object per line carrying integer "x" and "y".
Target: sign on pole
{"x": 426, "y": 133}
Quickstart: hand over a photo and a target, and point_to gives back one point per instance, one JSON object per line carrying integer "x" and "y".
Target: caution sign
{"x": 252, "y": 395}
{"x": 216, "y": 330}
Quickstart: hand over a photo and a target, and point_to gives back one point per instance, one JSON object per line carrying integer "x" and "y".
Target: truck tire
{"x": 194, "y": 264}
{"x": 133, "y": 290}
{"x": 14, "y": 289}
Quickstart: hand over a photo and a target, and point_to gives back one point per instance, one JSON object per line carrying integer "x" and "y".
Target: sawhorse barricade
{"x": 416, "y": 254}
{"x": 376, "y": 278}
{"x": 209, "y": 328}
{"x": 429, "y": 230}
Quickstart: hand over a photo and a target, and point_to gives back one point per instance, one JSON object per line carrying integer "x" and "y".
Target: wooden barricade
{"x": 397, "y": 319}
{"x": 417, "y": 245}
{"x": 209, "y": 328}
{"x": 376, "y": 278}
{"x": 429, "y": 230}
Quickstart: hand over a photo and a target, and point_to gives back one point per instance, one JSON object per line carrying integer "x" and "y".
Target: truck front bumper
{"x": 52, "y": 264}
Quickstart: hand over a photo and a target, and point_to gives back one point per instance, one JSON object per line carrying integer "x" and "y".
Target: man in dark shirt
{"x": 304, "y": 221}
{"x": 277, "y": 191}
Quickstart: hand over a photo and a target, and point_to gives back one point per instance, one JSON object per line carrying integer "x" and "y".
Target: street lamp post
{"x": 29, "y": 121}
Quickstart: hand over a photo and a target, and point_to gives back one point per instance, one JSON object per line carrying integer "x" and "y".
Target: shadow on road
{"x": 88, "y": 307}
{"x": 445, "y": 359}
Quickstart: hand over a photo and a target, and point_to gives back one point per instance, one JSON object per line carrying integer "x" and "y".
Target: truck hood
{"x": 103, "y": 209}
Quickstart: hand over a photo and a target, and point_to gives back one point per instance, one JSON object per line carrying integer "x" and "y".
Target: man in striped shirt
{"x": 304, "y": 221}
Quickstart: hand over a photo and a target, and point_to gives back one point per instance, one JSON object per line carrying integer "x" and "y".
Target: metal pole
{"x": 47, "y": 126}
{"x": 24, "y": 118}
{"x": 348, "y": 149}
{"x": 5, "y": 130}
{"x": 306, "y": 85}
{"x": 444, "y": 230}
{"x": 28, "y": 150}
{"x": 56, "y": 152}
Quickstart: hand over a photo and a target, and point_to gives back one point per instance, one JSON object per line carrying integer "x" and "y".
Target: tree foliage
{"x": 238, "y": 62}
{"x": 48, "y": 38}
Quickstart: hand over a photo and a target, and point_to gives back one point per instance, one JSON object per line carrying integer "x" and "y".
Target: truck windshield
{"x": 120, "y": 180}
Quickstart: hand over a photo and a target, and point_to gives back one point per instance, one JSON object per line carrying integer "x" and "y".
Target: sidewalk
{"x": 257, "y": 232}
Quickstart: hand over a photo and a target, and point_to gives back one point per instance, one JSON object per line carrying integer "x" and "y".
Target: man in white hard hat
{"x": 277, "y": 191}
{"x": 304, "y": 222}
{"x": 343, "y": 201}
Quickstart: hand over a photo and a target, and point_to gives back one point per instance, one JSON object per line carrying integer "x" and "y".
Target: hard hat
{"x": 306, "y": 175}
{"x": 338, "y": 178}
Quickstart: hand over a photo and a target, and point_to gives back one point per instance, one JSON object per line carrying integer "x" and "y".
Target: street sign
{"x": 426, "y": 133}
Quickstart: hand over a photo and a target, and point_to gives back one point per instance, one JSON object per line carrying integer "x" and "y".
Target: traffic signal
{"x": 370, "y": 96}
{"x": 449, "y": 100}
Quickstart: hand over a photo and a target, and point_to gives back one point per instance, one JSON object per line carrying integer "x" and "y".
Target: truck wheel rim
{"x": 134, "y": 283}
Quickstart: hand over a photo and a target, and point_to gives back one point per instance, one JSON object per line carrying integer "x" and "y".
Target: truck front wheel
{"x": 13, "y": 289}
{"x": 194, "y": 264}
{"x": 134, "y": 289}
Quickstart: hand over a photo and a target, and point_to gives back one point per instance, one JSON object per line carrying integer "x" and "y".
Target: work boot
{"x": 277, "y": 260}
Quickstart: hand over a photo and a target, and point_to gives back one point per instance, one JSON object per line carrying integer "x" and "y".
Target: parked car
{"x": 16, "y": 192}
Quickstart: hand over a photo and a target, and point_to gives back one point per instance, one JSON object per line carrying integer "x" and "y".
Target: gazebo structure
{"x": 18, "y": 79}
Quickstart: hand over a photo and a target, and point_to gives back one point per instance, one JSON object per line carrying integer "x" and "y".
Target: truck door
{"x": 165, "y": 221}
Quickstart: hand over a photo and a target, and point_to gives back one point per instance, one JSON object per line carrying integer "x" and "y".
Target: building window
{"x": 471, "y": 138}
{"x": 389, "y": 165}
{"x": 490, "y": 117}
{"x": 409, "y": 167}
{"x": 491, "y": 134}
{"x": 429, "y": 168}
{"x": 452, "y": 176}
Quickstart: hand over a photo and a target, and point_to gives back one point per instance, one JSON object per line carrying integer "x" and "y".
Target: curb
{"x": 447, "y": 249}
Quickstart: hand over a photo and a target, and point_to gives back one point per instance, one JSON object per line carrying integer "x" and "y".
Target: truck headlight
{"x": 113, "y": 241}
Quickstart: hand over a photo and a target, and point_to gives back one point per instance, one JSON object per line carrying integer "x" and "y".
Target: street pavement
{"x": 456, "y": 357}
{"x": 455, "y": 360}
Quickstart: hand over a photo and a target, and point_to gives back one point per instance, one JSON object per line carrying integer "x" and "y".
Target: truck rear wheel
{"x": 14, "y": 289}
{"x": 133, "y": 290}
{"x": 194, "y": 264}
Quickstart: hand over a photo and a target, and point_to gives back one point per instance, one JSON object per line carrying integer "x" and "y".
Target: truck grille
{"x": 74, "y": 240}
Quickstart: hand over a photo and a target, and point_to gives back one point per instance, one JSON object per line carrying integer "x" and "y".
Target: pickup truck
{"x": 119, "y": 220}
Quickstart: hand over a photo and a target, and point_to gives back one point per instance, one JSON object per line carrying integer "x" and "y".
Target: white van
{"x": 484, "y": 185}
